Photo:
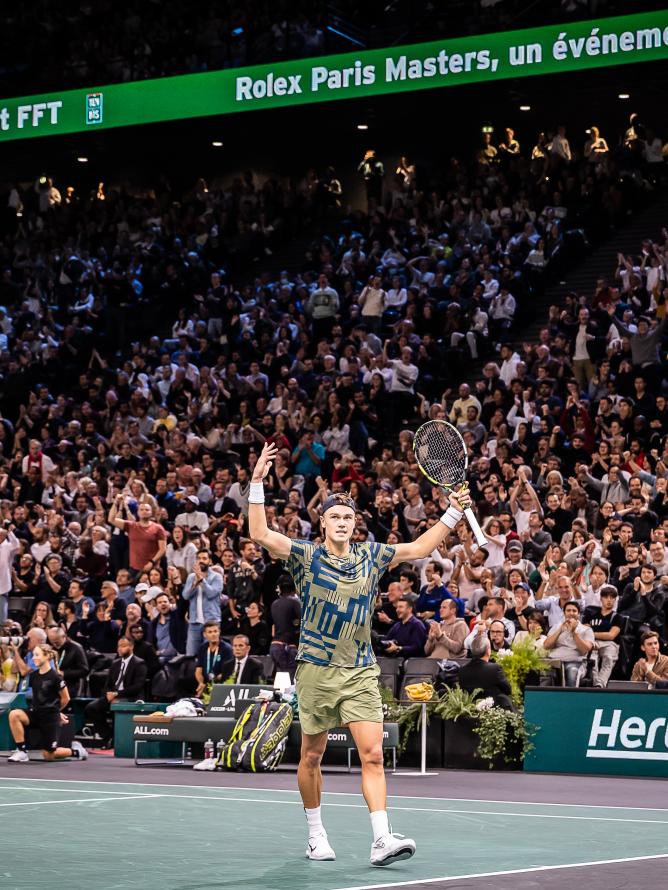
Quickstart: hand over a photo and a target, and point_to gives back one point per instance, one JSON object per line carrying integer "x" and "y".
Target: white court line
{"x": 45, "y": 803}
{"x": 67, "y": 790}
{"x": 361, "y": 806}
{"x": 513, "y": 871}
{"x": 221, "y": 788}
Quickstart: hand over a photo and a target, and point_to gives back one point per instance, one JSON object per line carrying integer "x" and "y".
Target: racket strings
{"x": 440, "y": 454}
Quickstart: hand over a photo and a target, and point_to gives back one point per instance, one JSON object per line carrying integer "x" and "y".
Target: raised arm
{"x": 114, "y": 519}
{"x": 428, "y": 541}
{"x": 277, "y": 544}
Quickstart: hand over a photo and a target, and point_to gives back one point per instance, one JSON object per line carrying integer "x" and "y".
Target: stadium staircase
{"x": 601, "y": 263}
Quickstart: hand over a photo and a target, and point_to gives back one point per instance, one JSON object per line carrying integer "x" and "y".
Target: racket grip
{"x": 475, "y": 528}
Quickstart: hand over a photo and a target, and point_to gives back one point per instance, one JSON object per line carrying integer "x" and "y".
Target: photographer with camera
{"x": 9, "y": 674}
{"x": 245, "y": 581}
{"x": 202, "y": 590}
{"x": 24, "y": 664}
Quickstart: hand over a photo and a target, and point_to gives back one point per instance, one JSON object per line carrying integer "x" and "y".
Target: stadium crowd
{"x": 124, "y": 468}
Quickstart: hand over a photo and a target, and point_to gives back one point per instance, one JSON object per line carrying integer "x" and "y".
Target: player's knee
{"x": 372, "y": 756}
{"x": 311, "y": 759}
{"x": 15, "y": 715}
{"x": 48, "y": 755}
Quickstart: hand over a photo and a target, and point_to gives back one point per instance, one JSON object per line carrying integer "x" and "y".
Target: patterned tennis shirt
{"x": 338, "y": 595}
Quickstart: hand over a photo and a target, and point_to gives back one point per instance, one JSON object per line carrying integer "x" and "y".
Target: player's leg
{"x": 316, "y": 718}
{"x": 369, "y": 742}
{"x": 362, "y": 710}
{"x": 309, "y": 779}
{"x": 18, "y": 721}
{"x": 309, "y": 775}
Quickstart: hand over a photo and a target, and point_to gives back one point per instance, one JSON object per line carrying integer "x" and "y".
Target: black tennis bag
{"x": 259, "y": 738}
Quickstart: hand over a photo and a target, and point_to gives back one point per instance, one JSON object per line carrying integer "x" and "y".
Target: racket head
{"x": 440, "y": 452}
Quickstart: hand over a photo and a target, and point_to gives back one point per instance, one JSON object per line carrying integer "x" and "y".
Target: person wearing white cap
{"x": 192, "y": 518}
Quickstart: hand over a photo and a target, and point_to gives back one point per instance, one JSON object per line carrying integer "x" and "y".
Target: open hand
{"x": 264, "y": 461}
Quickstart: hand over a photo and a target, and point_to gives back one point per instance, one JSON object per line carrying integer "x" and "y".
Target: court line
{"x": 221, "y": 788}
{"x": 513, "y": 871}
{"x": 67, "y": 790}
{"x": 44, "y": 803}
{"x": 362, "y": 806}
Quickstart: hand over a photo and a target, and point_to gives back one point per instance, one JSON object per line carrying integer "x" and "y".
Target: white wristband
{"x": 256, "y": 493}
{"x": 451, "y": 517}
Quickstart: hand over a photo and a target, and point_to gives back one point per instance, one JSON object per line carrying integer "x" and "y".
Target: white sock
{"x": 314, "y": 820}
{"x": 380, "y": 824}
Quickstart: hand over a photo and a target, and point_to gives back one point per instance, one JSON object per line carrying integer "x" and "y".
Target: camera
{"x": 11, "y": 641}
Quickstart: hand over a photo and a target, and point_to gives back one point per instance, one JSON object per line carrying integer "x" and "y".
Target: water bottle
{"x": 220, "y": 744}
{"x": 208, "y": 749}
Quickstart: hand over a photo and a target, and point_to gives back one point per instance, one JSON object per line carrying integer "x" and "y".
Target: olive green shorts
{"x": 335, "y": 696}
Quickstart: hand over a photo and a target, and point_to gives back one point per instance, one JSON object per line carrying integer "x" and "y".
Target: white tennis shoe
{"x": 391, "y": 848}
{"x": 18, "y": 757}
{"x": 319, "y": 848}
{"x": 207, "y": 765}
{"x": 81, "y": 752}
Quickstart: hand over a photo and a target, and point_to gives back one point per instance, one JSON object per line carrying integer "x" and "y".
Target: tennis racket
{"x": 441, "y": 455}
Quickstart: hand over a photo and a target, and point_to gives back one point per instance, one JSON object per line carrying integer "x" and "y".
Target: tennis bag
{"x": 259, "y": 738}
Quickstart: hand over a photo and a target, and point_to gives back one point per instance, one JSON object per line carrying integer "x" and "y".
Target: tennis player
{"x": 337, "y": 674}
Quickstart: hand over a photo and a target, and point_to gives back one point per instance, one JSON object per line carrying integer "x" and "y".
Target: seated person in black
{"x": 607, "y": 626}
{"x": 211, "y": 657}
{"x": 49, "y": 698}
{"x": 242, "y": 667}
{"x": 487, "y": 677}
{"x": 125, "y": 682}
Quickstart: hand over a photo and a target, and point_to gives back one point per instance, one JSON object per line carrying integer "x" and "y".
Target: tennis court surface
{"x": 177, "y": 830}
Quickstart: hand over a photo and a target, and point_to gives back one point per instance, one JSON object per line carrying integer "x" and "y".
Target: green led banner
{"x": 548, "y": 50}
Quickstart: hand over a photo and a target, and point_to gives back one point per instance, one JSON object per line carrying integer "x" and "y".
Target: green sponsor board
{"x": 586, "y": 731}
{"x": 548, "y": 50}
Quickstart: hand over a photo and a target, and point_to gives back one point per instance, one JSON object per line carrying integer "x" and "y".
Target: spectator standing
{"x": 70, "y": 659}
{"x": 167, "y": 630}
{"x": 322, "y": 307}
{"x": 9, "y": 547}
{"x": 202, "y": 591}
{"x": 373, "y": 301}
{"x": 148, "y": 539}
{"x": 286, "y": 619}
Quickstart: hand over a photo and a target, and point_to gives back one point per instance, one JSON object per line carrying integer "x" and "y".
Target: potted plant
{"x": 476, "y": 733}
{"x": 523, "y": 659}
{"x": 504, "y": 738}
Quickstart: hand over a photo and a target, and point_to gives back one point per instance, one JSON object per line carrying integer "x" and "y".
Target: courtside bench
{"x": 227, "y": 703}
